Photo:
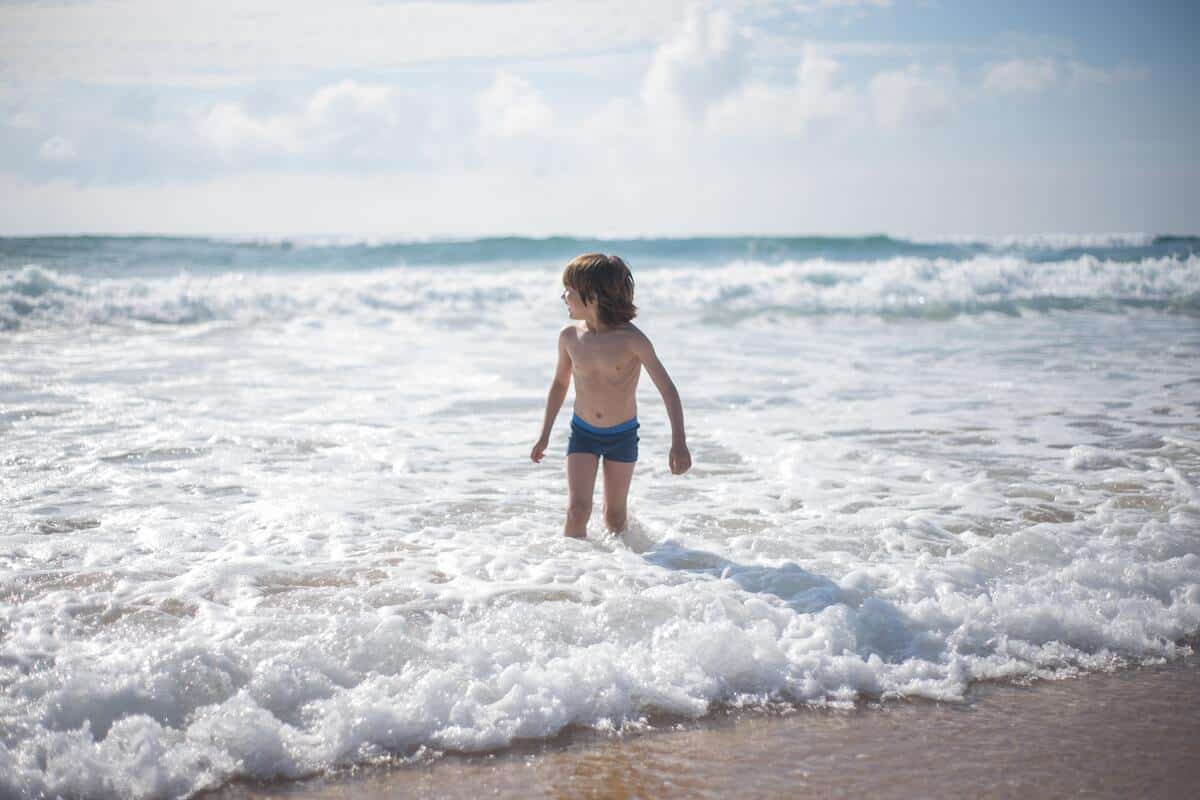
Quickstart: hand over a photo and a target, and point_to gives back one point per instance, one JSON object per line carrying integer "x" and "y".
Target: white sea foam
{"x": 1049, "y": 241}
{"x": 930, "y": 287}
{"x": 920, "y": 287}
{"x": 312, "y": 537}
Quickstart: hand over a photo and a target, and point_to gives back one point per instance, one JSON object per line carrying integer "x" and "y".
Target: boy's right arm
{"x": 555, "y": 397}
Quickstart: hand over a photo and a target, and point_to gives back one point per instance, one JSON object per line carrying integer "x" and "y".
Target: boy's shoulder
{"x": 627, "y": 333}
{"x": 577, "y": 328}
{"x": 634, "y": 334}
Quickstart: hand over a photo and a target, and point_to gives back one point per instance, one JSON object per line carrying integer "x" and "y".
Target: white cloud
{"x": 1021, "y": 75}
{"x": 22, "y": 119}
{"x": 1031, "y": 75}
{"x": 1080, "y": 74}
{"x": 344, "y": 122}
{"x": 700, "y": 75}
{"x": 348, "y": 99}
{"x": 231, "y": 130}
{"x": 911, "y": 96}
{"x": 826, "y": 5}
{"x": 224, "y": 43}
{"x": 354, "y": 121}
{"x": 58, "y": 148}
{"x": 816, "y": 96}
{"x": 512, "y": 107}
{"x": 702, "y": 63}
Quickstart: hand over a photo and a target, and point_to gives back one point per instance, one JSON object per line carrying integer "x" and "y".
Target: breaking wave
{"x": 923, "y": 288}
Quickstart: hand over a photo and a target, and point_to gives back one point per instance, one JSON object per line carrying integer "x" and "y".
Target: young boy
{"x": 605, "y": 353}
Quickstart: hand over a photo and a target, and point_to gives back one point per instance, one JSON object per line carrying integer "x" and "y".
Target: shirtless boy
{"x": 605, "y": 353}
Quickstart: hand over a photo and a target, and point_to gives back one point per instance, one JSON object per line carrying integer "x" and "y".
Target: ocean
{"x": 267, "y": 509}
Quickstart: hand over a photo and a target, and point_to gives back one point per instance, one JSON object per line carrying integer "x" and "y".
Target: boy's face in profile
{"x": 576, "y": 308}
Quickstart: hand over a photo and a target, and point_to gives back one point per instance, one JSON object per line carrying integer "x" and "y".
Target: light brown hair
{"x": 607, "y": 281}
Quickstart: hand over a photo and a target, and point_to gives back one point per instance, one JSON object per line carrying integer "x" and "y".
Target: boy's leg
{"x": 581, "y": 483}
{"x": 617, "y": 477}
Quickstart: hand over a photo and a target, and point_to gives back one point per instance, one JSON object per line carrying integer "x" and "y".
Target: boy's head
{"x": 605, "y": 281}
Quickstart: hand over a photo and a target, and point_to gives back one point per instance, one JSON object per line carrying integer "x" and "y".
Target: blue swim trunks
{"x": 618, "y": 443}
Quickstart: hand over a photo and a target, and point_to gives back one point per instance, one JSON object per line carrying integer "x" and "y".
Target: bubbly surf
{"x": 267, "y": 510}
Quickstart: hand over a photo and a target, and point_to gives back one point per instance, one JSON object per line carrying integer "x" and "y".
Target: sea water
{"x": 267, "y": 508}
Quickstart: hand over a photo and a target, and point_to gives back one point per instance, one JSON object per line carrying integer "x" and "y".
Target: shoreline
{"x": 1134, "y": 732}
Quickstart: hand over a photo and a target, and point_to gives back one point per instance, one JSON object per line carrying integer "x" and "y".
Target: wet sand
{"x": 1133, "y": 733}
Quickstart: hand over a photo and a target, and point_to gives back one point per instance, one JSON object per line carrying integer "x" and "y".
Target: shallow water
{"x": 271, "y": 524}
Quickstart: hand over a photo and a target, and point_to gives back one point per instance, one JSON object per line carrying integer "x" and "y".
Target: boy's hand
{"x": 680, "y": 459}
{"x": 539, "y": 450}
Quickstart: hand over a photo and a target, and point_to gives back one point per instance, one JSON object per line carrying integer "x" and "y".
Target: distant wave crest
{"x": 159, "y": 256}
{"x": 38, "y": 297}
{"x": 936, "y": 288}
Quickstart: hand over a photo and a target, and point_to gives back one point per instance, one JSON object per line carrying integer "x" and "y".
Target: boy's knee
{"x": 614, "y": 518}
{"x": 579, "y": 508}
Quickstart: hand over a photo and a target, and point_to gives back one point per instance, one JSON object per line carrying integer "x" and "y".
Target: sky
{"x": 578, "y": 117}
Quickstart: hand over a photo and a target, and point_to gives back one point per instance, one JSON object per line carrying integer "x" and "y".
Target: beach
{"x": 268, "y": 516}
{"x": 1130, "y": 733}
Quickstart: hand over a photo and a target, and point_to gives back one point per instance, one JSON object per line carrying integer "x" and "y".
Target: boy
{"x": 605, "y": 353}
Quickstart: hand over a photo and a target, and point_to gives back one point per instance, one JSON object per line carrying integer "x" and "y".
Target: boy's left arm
{"x": 681, "y": 458}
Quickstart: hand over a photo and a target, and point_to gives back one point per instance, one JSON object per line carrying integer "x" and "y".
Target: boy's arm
{"x": 680, "y": 458}
{"x": 555, "y": 397}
